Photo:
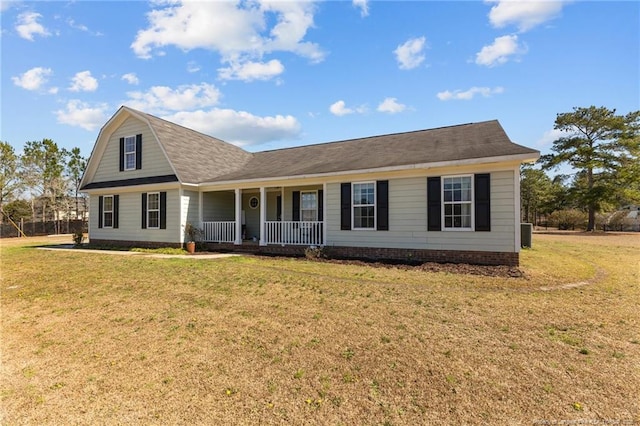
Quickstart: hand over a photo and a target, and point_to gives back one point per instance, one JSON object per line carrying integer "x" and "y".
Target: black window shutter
{"x": 482, "y": 198}
{"x": 320, "y": 205}
{"x": 100, "y": 210}
{"x": 138, "y": 152}
{"x": 144, "y": 210}
{"x": 295, "y": 214}
{"x": 434, "y": 210}
{"x": 345, "y": 206}
{"x": 163, "y": 210}
{"x": 116, "y": 210}
{"x": 121, "y": 154}
{"x": 382, "y": 205}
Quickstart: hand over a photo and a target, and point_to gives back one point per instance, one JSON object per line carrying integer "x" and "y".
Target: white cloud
{"x": 81, "y": 114}
{"x": 83, "y": 82}
{"x": 363, "y": 5}
{"x": 33, "y": 79}
{"x": 162, "y": 99}
{"x": 239, "y": 127}
{"x": 192, "y": 67}
{"x": 6, "y": 4}
{"x": 27, "y": 26}
{"x": 551, "y": 136}
{"x": 239, "y": 31}
{"x": 248, "y": 71}
{"x": 524, "y": 14}
{"x": 131, "y": 78}
{"x": 339, "y": 108}
{"x": 410, "y": 54}
{"x": 73, "y": 24}
{"x": 391, "y": 106}
{"x": 500, "y": 51}
{"x": 469, "y": 94}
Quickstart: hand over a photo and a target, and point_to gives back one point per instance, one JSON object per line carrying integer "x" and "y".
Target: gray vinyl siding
{"x": 190, "y": 207}
{"x": 154, "y": 162}
{"x": 130, "y": 222}
{"x": 218, "y": 206}
{"x": 408, "y": 220}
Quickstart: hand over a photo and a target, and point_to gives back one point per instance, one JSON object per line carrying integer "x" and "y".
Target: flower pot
{"x": 191, "y": 247}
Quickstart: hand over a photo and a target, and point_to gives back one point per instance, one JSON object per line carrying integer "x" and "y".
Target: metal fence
{"x": 32, "y": 229}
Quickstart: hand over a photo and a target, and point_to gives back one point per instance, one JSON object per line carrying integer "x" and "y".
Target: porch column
{"x": 238, "y": 240}
{"x": 263, "y": 215}
{"x": 324, "y": 214}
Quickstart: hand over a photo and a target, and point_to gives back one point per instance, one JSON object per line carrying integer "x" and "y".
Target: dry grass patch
{"x": 94, "y": 338}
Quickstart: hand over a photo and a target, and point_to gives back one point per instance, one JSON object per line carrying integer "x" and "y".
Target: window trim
{"x": 105, "y": 211}
{"x": 134, "y": 153}
{"x": 149, "y": 210}
{"x": 471, "y": 204}
{"x": 315, "y": 192}
{"x": 253, "y": 197}
{"x": 374, "y": 227}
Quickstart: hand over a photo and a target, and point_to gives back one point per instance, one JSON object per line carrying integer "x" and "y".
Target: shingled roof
{"x": 199, "y": 158}
{"x": 196, "y": 157}
{"x": 445, "y": 144}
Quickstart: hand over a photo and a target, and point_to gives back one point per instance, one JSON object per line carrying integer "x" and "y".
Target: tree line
{"x": 602, "y": 151}
{"x": 42, "y": 183}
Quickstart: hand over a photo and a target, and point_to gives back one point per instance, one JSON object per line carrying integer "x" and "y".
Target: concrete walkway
{"x": 200, "y": 255}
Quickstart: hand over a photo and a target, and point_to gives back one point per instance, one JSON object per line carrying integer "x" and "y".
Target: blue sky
{"x": 272, "y": 74}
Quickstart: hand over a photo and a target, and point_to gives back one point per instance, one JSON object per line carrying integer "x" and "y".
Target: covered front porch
{"x": 264, "y": 216}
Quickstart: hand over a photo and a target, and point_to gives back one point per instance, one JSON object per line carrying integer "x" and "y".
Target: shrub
{"x": 568, "y": 219}
{"x": 315, "y": 253}
{"x": 78, "y": 237}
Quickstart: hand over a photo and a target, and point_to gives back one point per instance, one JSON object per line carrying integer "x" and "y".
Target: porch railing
{"x": 219, "y": 232}
{"x": 294, "y": 233}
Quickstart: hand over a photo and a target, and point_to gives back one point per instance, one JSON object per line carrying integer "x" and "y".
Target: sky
{"x": 274, "y": 74}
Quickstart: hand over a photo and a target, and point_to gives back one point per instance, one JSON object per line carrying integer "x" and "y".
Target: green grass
{"x": 98, "y": 338}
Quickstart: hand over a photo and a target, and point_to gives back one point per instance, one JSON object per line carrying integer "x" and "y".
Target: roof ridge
{"x": 375, "y": 136}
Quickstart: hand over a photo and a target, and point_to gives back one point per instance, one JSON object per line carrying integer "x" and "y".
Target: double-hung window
{"x": 457, "y": 196}
{"x": 309, "y": 206}
{"x": 364, "y": 205}
{"x": 153, "y": 210}
{"x": 107, "y": 211}
{"x": 130, "y": 153}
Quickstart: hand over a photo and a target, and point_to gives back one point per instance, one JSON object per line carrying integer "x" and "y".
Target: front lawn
{"x": 93, "y": 338}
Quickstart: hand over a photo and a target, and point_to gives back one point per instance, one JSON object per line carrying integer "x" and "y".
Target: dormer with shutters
{"x": 131, "y": 153}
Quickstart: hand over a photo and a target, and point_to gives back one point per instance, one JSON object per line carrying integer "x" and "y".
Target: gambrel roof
{"x": 199, "y": 158}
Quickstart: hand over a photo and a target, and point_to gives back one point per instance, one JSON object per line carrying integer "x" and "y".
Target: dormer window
{"x": 130, "y": 153}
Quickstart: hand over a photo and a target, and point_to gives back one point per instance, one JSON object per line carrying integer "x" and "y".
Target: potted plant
{"x": 192, "y": 234}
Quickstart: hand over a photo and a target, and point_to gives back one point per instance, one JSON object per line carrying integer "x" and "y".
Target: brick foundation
{"x": 357, "y": 253}
{"x": 384, "y": 254}
{"x": 129, "y": 244}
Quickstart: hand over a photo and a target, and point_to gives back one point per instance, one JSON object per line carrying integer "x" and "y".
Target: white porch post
{"x": 324, "y": 214}
{"x": 200, "y": 205}
{"x": 263, "y": 215}
{"x": 238, "y": 240}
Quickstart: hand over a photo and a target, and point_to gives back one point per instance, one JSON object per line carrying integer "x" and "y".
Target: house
{"x": 448, "y": 194}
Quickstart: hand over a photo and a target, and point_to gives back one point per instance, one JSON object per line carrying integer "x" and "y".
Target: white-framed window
{"x": 130, "y": 153}
{"x": 309, "y": 206}
{"x": 364, "y": 205}
{"x": 457, "y": 202}
{"x": 107, "y": 211}
{"x": 153, "y": 210}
